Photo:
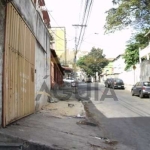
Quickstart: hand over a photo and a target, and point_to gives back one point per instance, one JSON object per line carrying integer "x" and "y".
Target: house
{"x": 24, "y": 51}
{"x": 144, "y": 59}
{"x": 107, "y": 70}
{"x": 144, "y": 54}
{"x": 118, "y": 65}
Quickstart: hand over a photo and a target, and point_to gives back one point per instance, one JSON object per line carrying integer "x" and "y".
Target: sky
{"x": 65, "y": 13}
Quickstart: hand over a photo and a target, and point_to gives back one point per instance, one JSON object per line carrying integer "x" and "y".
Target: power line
{"x": 80, "y": 9}
{"x": 84, "y": 15}
{"x": 60, "y": 37}
{"x": 87, "y": 19}
{"x": 86, "y": 22}
{"x": 55, "y": 21}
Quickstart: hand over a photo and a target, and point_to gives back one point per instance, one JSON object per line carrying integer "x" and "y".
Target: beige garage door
{"x": 19, "y": 63}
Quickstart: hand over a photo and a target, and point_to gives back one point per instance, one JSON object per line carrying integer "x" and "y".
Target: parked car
{"x": 88, "y": 80}
{"x": 108, "y": 82}
{"x": 117, "y": 83}
{"x": 70, "y": 82}
{"x": 141, "y": 89}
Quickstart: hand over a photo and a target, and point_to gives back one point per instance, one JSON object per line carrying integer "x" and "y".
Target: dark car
{"x": 108, "y": 82}
{"x": 141, "y": 89}
{"x": 117, "y": 83}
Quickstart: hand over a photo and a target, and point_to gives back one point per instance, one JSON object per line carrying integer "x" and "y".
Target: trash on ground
{"x": 79, "y": 116}
{"x": 53, "y": 100}
{"x": 70, "y": 105}
{"x": 99, "y": 138}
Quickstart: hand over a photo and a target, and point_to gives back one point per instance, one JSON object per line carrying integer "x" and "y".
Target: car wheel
{"x": 141, "y": 94}
{"x": 132, "y": 93}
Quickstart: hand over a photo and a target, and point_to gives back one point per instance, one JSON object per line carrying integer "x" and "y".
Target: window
{"x": 118, "y": 80}
{"x": 146, "y": 83}
{"x": 140, "y": 84}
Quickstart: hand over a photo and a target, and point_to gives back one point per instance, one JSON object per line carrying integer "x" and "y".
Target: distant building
{"x": 108, "y": 70}
{"x": 144, "y": 54}
{"x": 59, "y": 35}
{"x": 118, "y": 65}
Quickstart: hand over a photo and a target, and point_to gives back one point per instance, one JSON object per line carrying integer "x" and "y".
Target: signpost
{"x": 134, "y": 67}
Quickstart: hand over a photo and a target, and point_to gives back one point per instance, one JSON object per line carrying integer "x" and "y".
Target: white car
{"x": 70, "y": 81}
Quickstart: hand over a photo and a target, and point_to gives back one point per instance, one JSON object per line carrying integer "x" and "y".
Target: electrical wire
{"x": 84, "y": 15}
{"x": 86, "y": 22}
{"x": 80, "y": 9}
{"x": 60, "y": 37}
{"x": 56, "y": 21}
{"x": 81, "y": 36}
{"x": 89, "y": 13}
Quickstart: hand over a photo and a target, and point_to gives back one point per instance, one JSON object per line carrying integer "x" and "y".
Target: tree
{"x": 128, "y": 12}
{"x": 93, "y": 62}
{"x": 132, "y": 51}
{"x": 131, "y": 55}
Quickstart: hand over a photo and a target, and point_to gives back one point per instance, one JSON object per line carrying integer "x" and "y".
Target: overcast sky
{"x": 65, "y": 13}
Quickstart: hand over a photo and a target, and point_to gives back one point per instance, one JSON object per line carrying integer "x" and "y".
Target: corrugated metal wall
{"x": 19, "y": 63}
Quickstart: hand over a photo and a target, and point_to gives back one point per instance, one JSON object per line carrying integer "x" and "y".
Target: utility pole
{"x": 65, "y": 46}
{"x": 76, "y": 46}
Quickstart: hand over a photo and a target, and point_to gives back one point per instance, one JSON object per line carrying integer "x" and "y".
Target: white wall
{"x": 42, "y": 66}
{"x": 131, "y": 76}
{"x": 119, "y": 65}
{"x": 145, "y": 52}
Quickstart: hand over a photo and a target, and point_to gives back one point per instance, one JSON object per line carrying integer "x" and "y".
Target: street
{"x": 126, "y": 120}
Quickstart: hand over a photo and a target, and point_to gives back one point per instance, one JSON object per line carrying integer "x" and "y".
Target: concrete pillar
{"x": 139, "y": 55}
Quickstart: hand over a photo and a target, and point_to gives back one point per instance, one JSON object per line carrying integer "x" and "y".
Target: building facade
{"x": 59, "y": 35}
{"x": 24, "y": 51}
{"x": 57, "y": 71}
{"x": 107, "y": 71}
{"x": 118, "y": 65}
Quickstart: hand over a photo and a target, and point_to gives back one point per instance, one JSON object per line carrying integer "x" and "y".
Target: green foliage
{"x": 131, "y": 55}
{"x": 128, "y": 12}
{"x": 93, "y": 62}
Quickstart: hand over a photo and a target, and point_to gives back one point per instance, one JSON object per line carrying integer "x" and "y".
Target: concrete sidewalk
{"x": 128, "y": 87}
{"x": 56, "y": 127}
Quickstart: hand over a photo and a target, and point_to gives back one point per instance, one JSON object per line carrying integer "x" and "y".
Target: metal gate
{"x": 19, "y": 63}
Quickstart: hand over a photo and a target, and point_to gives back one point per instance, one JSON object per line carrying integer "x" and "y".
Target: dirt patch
{"x": 65, "y": 109}
{"x": 89, "y": 114}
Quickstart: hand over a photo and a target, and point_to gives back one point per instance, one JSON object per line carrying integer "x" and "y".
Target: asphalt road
{"x": 126, "y": 120}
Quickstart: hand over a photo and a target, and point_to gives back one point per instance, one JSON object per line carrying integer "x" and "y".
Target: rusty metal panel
{"x": 19, "y": 64}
